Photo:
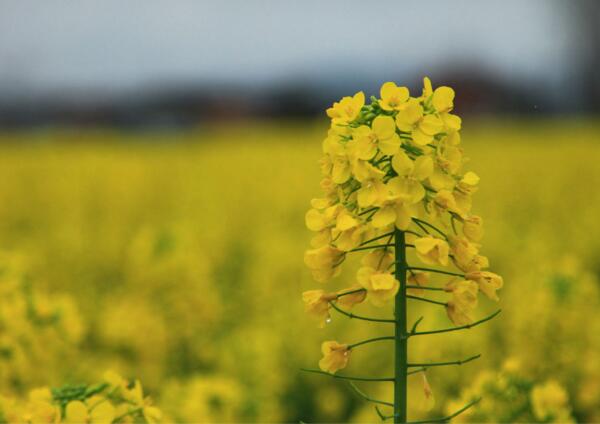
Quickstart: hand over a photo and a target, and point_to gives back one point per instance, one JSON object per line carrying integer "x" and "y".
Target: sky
{"x": 114, "y": 44}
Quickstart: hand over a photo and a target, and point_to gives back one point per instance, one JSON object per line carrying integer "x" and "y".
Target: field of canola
{"x": 176, "y": 258}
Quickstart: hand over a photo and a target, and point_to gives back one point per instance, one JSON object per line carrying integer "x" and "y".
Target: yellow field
{"x": 177, "y": 258}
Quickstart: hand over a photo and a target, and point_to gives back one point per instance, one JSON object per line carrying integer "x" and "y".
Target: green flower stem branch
{"x": 440, "y": 364}
{"x": 462, "y": 327}
{"x": 438, "y": 271}
{"x": 367, "y": 397}
{"x": 351, "y": 315}
{"x": 423, "y": 299}
{"x": 376, "y": 339}
{"x": 435, "y": 420}
{"x": 347, "y": 377}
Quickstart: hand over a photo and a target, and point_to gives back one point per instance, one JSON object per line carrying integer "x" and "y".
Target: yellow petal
{"x": 402, "y": 164}
{"x": 443, "y": 98}
{"x": 423, "y": 168}
{"x": 420, "y": 138}
{"x": 427, "y": 89}
{"x": 314, "y": 220}
{"x": 387, "y": 89}
{"x": 431, "y": 125}
{"x": 384, "y": 217}
{"x": 76, "y": 412}
{"x": 384, "y": 127}
{"x": 409, "y": 115}
{"x": 391, "y": 145}
{"x": 103, "y": 413}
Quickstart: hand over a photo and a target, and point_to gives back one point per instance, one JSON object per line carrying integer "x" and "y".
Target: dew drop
{"x": 328, "y": 320}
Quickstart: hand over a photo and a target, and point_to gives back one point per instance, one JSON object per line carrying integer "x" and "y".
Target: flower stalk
{"x": 401, "y": 342}
{"x": 394, "y": 186}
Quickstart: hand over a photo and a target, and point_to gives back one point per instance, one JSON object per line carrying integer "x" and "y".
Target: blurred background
{"x": 173, "y": 65}
{"x": 157, "y": 159}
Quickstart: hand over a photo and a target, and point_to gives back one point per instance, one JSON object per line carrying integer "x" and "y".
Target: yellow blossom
{"x": 381, "y": 135}
{"x": 473, "y": 228}
{"x": 316, "y": 304}
{"x": 432, "y": 251}
{"x": 463, "y": 251}
{"x": 323, "y": 262}
{"x": 417, "y": 278}
{"x": 410, "y": 175}
{"x": 488, "y": 282}
{"x": 411, "y": 118}
{"x": 372, "y": 190}
{"x": 347, "y": 301}
{"x": 347, "y": 109}
{"x": 392, "y": 96}
{"x": 335, "y": 356}
{"x": 381, "y": 286}
{"x": 463, "y": 301}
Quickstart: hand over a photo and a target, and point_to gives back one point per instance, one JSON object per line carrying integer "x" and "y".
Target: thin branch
{"x": 439, "y": 364}
{"x": 422, "y": 369}
{"x": 376, "y": 339}
{"x": 449, "y": 417}
{"x": 414, "y": 327}
{"x": 367, "y": 211}
{"x": 376, "y": 246}
{"x": 426, "y": 288}
{"x": 348, "y": 377}
{"x": 462, "y": 327}
{"x": 433, "y": 227}
{"x": 376, "y": 238}
{"x": 422, "y": 227}
{"x": 349, "y": 292}
{"x": 366, "y": 397}
{"x": 438, "y": 271}
{"x": 381, "y": 416}
{"x": 351, "y": 315}
{"x": 422, "y": 299}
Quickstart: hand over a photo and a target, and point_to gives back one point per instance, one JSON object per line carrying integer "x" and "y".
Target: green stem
{"x": 376, "y": 339}
{"x": 401, "y": 342}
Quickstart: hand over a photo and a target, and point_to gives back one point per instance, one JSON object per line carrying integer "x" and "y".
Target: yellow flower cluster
{"x": 38, "y": 331}
{"x": 512, "y": 396}
{"x": 395, "y": 163}
{"x": 114, "y": 400}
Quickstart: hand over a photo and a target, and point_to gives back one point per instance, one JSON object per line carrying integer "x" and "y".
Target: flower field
{"x": 176, "y": 259}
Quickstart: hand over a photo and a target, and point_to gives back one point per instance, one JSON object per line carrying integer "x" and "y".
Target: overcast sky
{"x": 115, "y": 43}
